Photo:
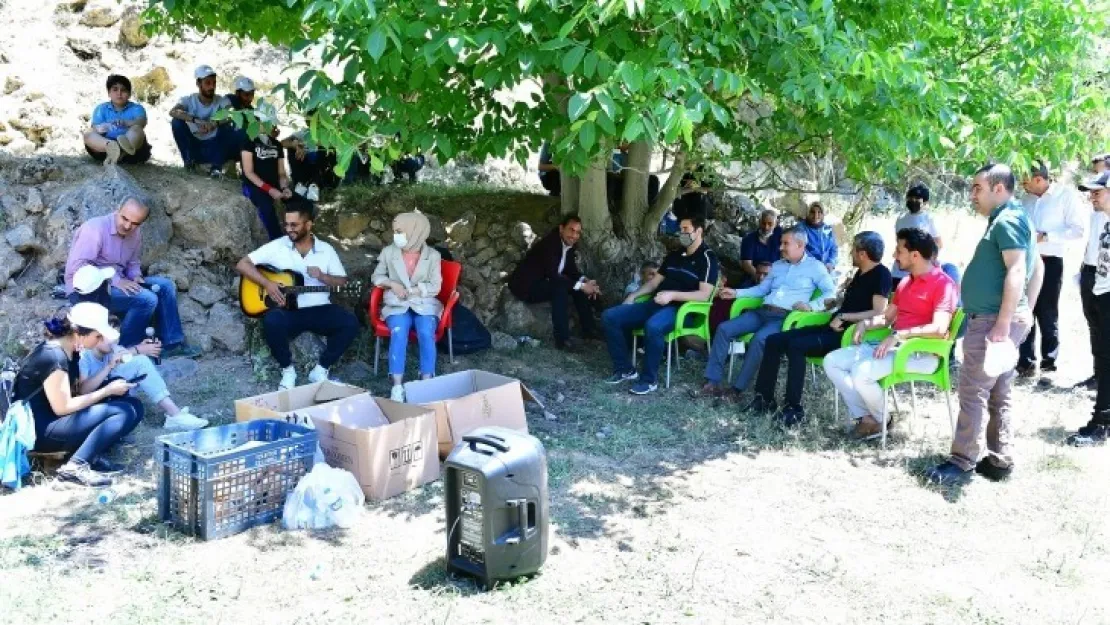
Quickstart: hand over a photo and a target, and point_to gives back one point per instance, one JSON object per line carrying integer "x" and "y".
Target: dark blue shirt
{"x": 686, "y": 272}
{"x": 751, "y": 248}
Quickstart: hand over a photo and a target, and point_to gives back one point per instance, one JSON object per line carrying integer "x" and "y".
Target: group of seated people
{"x": 271, "y": 169}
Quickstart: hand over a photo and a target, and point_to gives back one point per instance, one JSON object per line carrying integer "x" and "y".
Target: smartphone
{"x": 137, "y": 379}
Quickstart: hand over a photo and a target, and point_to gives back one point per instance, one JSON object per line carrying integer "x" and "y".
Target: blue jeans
{"x": 90, "y": 432}
{"x": 657, "y": 321}
{"x": 762, "y": 322}
{"x": 399, "y": 326}
{"x": 137, "y": 310}
{"x": 153, "y": 386}
{"x": 264, "y": 204}
{"x": 215, "y": 151}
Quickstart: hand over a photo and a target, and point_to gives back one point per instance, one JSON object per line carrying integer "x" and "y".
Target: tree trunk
{"x": 667, "y": 193}
{"x": 634, "y": 200}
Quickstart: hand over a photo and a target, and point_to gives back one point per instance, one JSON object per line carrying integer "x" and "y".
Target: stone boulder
{"x": 351, "y": 225}
{"x": 726, "y": 246}
{"x": 131, "y": 31}
{"x": 153, "y": 85}
{"x": 11, "y": 263}
{"x": 101, "y": 194}
{"x": 462, "y": 230}
{"x": 22, "y": 238}
{"x": 225, "y": 326}
{"x": 520, "y": 319}
{"x": 206, "y": 294}
{"x": 100, "y": 13}
{"x": 208, "y": 215}
{"x": 83, "y": 49}
{"x": 502, "y": 342}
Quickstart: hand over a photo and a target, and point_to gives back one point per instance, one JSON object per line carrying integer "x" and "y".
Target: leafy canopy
{"x": 881, "y": 83}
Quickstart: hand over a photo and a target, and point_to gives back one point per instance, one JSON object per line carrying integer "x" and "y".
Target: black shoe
{"x": 627, "y": 376}
{"x": 793, "y": 416}
{"x": 104, "y": 465}
{"x": 946, "y": 474}
{"x": 1090, "y": 384}
{"x": 759, "y": 405}
{"x": 1089, "y": 436}
{"x": 992, "y": 471}
{"x": 79, "y": 472}
{"x": 181, "y": 350}
{"x": 1048, "y": 365}
{"x": 1026, "y": 371}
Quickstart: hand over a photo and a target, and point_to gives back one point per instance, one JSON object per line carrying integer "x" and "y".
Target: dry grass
{"x": 677, "y": 512}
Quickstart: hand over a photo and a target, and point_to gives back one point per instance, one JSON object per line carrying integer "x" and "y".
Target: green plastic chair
{"x": 872, "y": 335}
{"x": 692, "y": 320}
{"x": 796, "y": 319}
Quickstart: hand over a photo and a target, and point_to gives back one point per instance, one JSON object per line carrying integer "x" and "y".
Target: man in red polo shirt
{"x": 922, "y": 306}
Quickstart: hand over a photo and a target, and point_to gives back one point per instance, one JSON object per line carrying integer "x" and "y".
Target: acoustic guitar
{"x": 255, "y": 301}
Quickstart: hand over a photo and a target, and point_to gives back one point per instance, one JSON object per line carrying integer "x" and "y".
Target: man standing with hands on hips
{"x": 1057, "y": 214}
{"x": 999, "y": 289}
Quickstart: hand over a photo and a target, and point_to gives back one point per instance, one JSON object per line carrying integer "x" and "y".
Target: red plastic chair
{"x": 448, "y": 295}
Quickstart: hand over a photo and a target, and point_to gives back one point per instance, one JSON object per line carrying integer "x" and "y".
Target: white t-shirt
{"x": 1102, "y": 269}
{"x": 282, "y": 255}
{"x": 921, "y": 220}
{"x": 1098, "y": 220}
{"x": 193, "y": 106}
{"x": 1060, "y": 214}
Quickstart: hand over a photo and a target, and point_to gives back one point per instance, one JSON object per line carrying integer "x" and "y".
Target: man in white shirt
{"x": 1058, "y": 215}
{"x": 318, "y": 263}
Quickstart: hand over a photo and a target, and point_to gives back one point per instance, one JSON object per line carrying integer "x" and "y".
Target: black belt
{"x": 1087, "y": 267}
{"x": 777, "y": 309}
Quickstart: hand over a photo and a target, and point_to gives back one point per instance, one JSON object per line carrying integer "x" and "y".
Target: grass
{"x": 681, "y": 511}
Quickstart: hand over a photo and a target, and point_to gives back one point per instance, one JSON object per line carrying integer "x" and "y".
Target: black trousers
{"x": 796, "y": 345}
{"x": 1046, "y": 314}
{"x": 1090, "y": 310}
{"x": 561, "y": 293}
{"x": 1102, "y": 365}
{"x": 332, "y": 321}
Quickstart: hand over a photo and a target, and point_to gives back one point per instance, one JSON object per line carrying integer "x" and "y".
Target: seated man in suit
{"x": 303, "y": 252}
{"x": 549, "y": 273}
{"x": 686, "y": 275}
{"x": 796, "y": 282}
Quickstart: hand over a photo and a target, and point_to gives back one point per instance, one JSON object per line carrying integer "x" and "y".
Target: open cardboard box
{"x": 389, "y": 447}
{"x": 279, "y": 404}
{"x": 471, "y": 399}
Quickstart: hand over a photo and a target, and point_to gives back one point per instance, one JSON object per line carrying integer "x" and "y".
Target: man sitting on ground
{"x": 821, "y": 239}
{"x": 761, "y": 245}
{"x": 922, "y": 306}
{"x": 865, "y": 298}
{"x": 117, "y": 134}
{"x": 242, "y": 99}
{"x": 303, "y": 252}
{"x": 686, "y": 275}
{"x": 796, "y": 282}
{"x": 116, "y": 241}
{"x": 108, "y": 361}
{"x": 199, "y": 138}
{"x": 549, "y": 273}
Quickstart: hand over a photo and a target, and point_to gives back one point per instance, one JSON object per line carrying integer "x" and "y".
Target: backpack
{"x": 467, "y": 332}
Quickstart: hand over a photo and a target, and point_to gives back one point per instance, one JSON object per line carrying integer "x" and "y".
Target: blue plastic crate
{"x": 219, "y": 481}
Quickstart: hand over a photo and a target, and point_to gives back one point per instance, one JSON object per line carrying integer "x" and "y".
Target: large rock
{"x": 153, "y": 85}
{"x": 102, "y": 194}
{"x": 22, "y": 238}
{"x": 351, "y": 225}
{"x": 100, "y": 13}
{"x": 12, "y": 84}
{"x": 462, "y": 230}
{"x": 34, "y": 203}
{"x": 207, "y": 215}
{"x": 520, "y": 319}
{"x": 206, "y": 294}
{"x": 727, "y": 246}
{"x": 82, "y": 48}
{"x": 225, "y": 325}
{"x": 502, "y": 342}
{"x": 131, "y": 29}
{"x": 191, "y": 311}
{"x": 11, "y": 263}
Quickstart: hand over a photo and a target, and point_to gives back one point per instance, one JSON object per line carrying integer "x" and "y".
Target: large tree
{"x": 878, "y": 84}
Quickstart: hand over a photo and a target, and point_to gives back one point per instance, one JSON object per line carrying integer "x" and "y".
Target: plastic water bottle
{"x": 106, "y": 496}
{"x": 150, "y": 338}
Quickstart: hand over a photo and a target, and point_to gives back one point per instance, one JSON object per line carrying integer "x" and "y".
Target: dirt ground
{"x": 664, "y": 510}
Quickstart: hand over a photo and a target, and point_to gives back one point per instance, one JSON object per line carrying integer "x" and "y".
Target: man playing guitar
{"x": 300, "y": 251}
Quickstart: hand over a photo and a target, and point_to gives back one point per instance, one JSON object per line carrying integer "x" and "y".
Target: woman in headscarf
{"x": 408, "y": 270}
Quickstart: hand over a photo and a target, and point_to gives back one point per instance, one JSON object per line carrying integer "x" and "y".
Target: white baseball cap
{"x": 204, "y": 71}
{"x": 94, "y": 317}
{"x": 243, "y": 83}
{"x": 89, "y": 278}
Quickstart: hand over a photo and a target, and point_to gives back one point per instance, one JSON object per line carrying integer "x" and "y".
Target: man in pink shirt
{"x": 922, "y": 306}
{"x": 116, "y": 241}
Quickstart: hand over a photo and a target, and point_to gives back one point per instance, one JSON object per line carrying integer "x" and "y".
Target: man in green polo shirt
{"x": 999, "y": 290}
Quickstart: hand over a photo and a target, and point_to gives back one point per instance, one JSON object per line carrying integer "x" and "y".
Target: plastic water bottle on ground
{"x": 106, "y": 496}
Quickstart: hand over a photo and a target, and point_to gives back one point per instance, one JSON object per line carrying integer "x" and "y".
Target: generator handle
{"x": 486, "y": 440}
{"x": 522, "y": 519}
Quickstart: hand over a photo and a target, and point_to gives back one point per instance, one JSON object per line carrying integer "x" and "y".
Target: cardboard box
{"x": 389, "y": 447}
{"x": 471, "y": 399}
{"x": 279, "y": 404}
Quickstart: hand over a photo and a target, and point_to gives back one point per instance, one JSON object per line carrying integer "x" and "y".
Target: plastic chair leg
{"x": 450, "y": 346}
{"x": 813, "y": 373}
{"x": 913, "y": 399}
{"x": 633, "y": 351}
{"x": 951, "y": 418}
{"x": 884, "y": 418}
{"x": 377, "y": 352}
{"x": 669, "y": 344}
{"x": 731, "y": 359}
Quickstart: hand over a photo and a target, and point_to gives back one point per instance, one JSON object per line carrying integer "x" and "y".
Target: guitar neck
{"x": 310, "y": 289}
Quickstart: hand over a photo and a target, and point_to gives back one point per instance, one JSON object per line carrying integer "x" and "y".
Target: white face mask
{"x": 400, "y": 240}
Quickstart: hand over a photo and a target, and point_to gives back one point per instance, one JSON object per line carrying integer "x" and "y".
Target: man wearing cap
{"x": 198, "y": 137}
{"x": 1095, "y": 225}
{"x": 115, "y": 242}
{"x": 242, "y": 99}
{"x": 1096, "y": 292}
{"x": 1000, "y": 289}
{"x": 1058, "y": 216}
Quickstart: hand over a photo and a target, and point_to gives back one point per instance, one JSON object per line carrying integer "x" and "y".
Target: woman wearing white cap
{"x": 86, "y": 425}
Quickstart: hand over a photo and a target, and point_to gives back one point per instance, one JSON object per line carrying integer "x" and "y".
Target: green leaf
{"x": 633, "y": 128}
{"x": 375, "y": 44}
{"x": 572, "y": 58}
{"x": 605, "y": 101}
{"x": 589, "y": 65}
{"x": 577, "y": 105}
{"x": 587, "y": 136}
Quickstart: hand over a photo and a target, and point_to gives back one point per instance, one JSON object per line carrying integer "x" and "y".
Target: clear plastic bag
{"x": 326, "y": 497}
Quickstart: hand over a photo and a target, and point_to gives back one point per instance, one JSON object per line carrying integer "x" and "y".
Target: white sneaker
{"x": 313, "y": 193}
{"x": 300, "y": 189}
{"x": 113, "y": 153}
{"x": 288, "y": 378}
{"x": 318, "y": 374}
{"x": 185, "y": 420}
{"x": 397, "y": 393}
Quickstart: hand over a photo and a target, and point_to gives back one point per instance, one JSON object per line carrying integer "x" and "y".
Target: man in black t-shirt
{"x": 686, "y": 275}
{"x": 264, "y": 178}
{"x": 865, "y": 297}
